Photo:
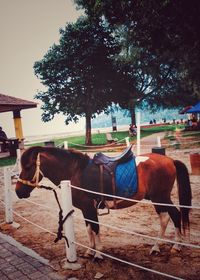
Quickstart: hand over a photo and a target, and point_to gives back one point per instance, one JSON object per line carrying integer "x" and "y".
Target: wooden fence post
{"x": 138, "y": 133}
{"x": 158, "y": 142}
{"x": 8, "y": 195}
{"x": 127, "y": 141}
{"x": 65, "y": 145}
{"x": 66, "y": 199}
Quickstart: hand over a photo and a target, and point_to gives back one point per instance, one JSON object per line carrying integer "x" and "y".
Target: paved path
{"x": 149, "y": 142}
{"x": 21, "y": 263}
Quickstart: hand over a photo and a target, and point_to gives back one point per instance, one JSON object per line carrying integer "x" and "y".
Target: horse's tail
{"x": 185, "y": 193}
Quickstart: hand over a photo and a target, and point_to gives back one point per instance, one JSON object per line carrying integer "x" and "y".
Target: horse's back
{"x": 157, "y": 161}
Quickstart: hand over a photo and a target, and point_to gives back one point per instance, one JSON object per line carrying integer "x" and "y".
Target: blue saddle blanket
{"x": 126, "y": 179}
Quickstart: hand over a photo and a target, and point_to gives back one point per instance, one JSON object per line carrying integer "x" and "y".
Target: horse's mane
{"x": 31, "y": 153}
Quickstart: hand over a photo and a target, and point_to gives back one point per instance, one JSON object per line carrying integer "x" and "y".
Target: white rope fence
{"x": 65, "y": 144}
{"x": 130, "y": 263}
{"x": 136, "y": 201}
{"x": 121, "y": 229}
{"x": 112, "y": 227}
{"x": 142, "y": 235}
{"x": 117, "y": 228}
{"x": 100, "y": 252}
{"x": 69, "y": 232}
{"x": 174, "y": 143}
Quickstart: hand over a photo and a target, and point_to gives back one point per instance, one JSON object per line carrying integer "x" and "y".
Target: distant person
{"x": 198, "y": 125}
{"x": 3, "y": 139}
{"x": 150, "y": 122}
{"x": 190, "y": 124}
{"x": 132, "y": 130}
{"x": 194, "y": 118}
{"x": 154, "y": 121}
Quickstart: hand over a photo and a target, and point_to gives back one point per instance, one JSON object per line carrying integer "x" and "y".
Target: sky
{"x": 28, "y": 28}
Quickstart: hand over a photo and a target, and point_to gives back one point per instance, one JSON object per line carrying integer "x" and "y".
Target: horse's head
{"x": 31, "y": 173}
{"x": 56, "y": 164}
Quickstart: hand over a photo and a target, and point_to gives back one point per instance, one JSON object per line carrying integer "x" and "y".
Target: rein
{"x": 61, "y": 220}
{"x": 35, "y": 184}
{"x": 35, "y": 180}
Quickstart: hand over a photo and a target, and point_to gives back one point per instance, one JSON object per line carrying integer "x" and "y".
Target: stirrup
{"x": 106, "y": 207}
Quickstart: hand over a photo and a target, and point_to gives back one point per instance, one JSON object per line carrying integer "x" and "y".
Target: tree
{"x": 166, "y": 30}
{"x": 78, "y": 73}
{"x": 143, "y": 78}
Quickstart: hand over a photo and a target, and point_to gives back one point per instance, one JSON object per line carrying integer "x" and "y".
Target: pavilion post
{"x": 18, "y": 125}
{"x": 8, "y": 195}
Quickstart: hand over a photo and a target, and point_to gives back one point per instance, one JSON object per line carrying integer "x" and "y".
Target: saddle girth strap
{"x": 101, "y": 181}
{"x": 101, "y": 167}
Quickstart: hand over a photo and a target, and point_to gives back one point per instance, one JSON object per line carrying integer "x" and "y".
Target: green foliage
{"x": 78, "y": 72}
{"x": 155, "y": 129}
{"x": 161, "y": 36}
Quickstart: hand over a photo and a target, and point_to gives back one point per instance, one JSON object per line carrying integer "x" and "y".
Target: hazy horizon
{"x": 28, "y": 29}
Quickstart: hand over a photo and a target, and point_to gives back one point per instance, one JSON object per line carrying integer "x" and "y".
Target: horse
{"x": 156, "y": 176}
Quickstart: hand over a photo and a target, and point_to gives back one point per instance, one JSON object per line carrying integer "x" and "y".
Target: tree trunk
{"x": 132, "y": 112}
{"x": 133, "y": 119}
{"x": 88, "y": 135}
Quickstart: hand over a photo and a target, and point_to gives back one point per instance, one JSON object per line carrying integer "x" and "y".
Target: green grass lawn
{"x": 7, "y": 161}
{"x": 97, "y": 139}
{"x": 100, "y": 138}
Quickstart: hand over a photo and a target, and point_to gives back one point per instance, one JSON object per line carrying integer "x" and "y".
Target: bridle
{"x": 34, "y": 183}
{"x": 35, "y": 180}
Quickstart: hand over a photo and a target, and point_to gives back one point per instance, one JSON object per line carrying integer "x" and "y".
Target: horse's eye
{"x": 27, "y": 166}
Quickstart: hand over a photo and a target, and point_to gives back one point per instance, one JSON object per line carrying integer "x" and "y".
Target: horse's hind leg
{"x": 164, "y": 220}
{"x": 165, "y": 213}
{"x": 175, "y": 215}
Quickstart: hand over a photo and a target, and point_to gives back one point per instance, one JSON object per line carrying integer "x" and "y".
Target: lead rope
{"x": 61, "y": 221}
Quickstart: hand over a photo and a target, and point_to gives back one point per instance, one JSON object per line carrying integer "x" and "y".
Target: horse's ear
{"x": 29, "y": 157}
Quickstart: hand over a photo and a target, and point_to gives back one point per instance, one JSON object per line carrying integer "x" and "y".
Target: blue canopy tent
{"x": 195, "y": 109}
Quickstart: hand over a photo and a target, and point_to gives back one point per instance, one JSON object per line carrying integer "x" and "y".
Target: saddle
{"x": 100, "y": 158}
{"x": 110, "y": 164}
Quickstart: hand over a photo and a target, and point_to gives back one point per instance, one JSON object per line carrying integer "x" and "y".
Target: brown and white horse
{"x": 156, "y": 176}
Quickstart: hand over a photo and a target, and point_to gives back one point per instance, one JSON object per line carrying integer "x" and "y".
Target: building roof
{"x": 10, "y": 103}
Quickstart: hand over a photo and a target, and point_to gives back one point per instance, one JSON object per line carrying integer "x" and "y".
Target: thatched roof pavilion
{"x": 10, "y": 103}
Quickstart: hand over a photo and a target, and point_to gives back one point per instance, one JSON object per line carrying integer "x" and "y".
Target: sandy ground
{"x": 140, "y": 218}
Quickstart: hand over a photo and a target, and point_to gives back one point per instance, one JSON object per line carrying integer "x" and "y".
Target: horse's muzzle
{"x": 22, "y": 195}
{"x": 22, "y": 191}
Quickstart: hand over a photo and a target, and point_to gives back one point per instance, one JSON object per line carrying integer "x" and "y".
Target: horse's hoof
{"x": 155, "y": 251}
{"x": 89, "y": 254}
{"x": 97, "y": 257}
{"x": 175, "y": 250}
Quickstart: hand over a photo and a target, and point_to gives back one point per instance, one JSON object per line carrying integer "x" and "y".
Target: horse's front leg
{"x": 90, "y": 252}
{"x": 91, "y": 219}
